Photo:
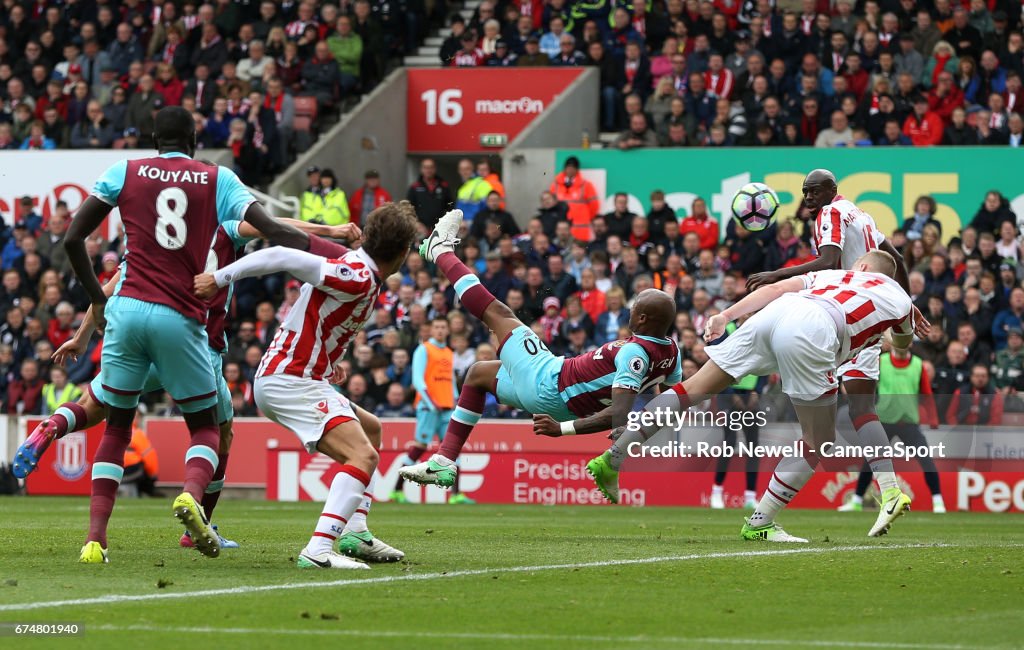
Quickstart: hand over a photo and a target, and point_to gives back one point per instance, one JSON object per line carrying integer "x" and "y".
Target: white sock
{"x": 790, "y": 475}
{"x": 357, "y": 524}
{"x": 717, "y": 489}
{"x": 872, "y": 434}
{"x": 749, "y": 495}
{"x": 856, "y": 498}
{"x": 342, "y": 500}
{"x": 937, "y": 500}
{"x": 441, "y": 460}
{"x": 619, "y": 450}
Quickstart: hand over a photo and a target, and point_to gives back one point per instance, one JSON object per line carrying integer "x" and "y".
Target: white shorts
{"x": 864, "y": 365}
{"x": 792, "y": 336}
{"x": 308, "y": 407}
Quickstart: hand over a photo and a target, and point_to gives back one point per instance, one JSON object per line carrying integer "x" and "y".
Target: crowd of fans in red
{"x": 678, "y": 73}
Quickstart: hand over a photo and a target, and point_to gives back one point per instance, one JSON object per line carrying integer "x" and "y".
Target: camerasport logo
{"x": 448, "y": 110}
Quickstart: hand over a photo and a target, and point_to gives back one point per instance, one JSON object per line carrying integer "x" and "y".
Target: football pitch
{"x": 518, "y": 576}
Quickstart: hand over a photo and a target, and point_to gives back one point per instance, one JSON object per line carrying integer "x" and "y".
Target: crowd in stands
{"x": 571, "y": 275}
{"x": 677, "y": 73}
{"x": 90, "y": 74}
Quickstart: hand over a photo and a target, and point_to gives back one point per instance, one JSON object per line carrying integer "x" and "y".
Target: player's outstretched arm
{"x": 349, "y": 232}
{"x": 304, "y": 266}
{"x": 752, "y": 302}
{"x": 87, "y": 219}
{"x": 277, "y": 231}
{"x": 616, "y": 414}
{"x": 829, "y": 258}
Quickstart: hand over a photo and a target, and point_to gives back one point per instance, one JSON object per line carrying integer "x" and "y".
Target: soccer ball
{"x": 754, "y": 206}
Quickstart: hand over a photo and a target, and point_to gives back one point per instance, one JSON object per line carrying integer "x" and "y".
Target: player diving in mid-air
{"x": 293, "y": 381}
{"x": 171, "y": 207}
{"x": 843, "y": 233}
{"x": 807, "y": 326}
{"x": 585, "y": 394}
{"x": 91, "y": 408}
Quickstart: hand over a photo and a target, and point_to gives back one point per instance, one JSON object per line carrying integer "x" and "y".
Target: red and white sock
{"x": 872, "y": 434}
{"x": 342, "y": 501}
{"x": 357, "y": 524}
{"x": 790, "y": 475}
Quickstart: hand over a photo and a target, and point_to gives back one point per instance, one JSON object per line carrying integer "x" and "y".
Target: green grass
{"x": 963, "y": 586}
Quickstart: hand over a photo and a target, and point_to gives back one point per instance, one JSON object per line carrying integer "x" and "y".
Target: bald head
{"x": 819, "y": 189}
{"x": 654, "y": 312}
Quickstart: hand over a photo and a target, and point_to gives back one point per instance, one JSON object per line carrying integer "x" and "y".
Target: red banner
{"x": 67, "y": 466}
{"x": 450, "y": 109}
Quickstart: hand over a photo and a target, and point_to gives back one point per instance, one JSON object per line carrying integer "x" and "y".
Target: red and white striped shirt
{"x": 870, "y": 302}
{"x": 325, "y": 319}
{"x": 843, "y": 224}
{"x": 720, "y": 83}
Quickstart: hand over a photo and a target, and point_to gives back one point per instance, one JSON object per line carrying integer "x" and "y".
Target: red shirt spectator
{"x": 26, "y": 390}
{"x": 719, "y": 79}
{"x": 923, "y": 127}
{"x": 944, "y": 98}
{"x": 367, "y": 198}
{"x": 701, "y": 223}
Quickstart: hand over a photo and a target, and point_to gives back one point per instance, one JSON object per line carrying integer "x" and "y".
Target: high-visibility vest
{"x": 439, "y": 375}
{"x": 53, "y": 399}
{"x": 141, "y": 451}
{"x": 898, "y": 390}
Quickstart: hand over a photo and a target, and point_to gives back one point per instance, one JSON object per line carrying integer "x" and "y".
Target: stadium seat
{"x": 305, "y": 107}
{"x": 302, "y": 124}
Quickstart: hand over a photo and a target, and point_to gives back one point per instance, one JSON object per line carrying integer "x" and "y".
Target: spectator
{"x": 579, "y": 194}
{"x": 472, "y": 194}
{"x": 959, "y": 132}
{"x": 923, "y": 127}
{"x": 493, "y": 213}
{"x": 368, "y": 197}
{"x": 347, "y": 48}
{"x": 615, "y": 316}
{"x": 95, "y": 132}
{"x": 1016, "y": 130}
{"x": 25, "y": 393}
{"x": 702, "y": 223}
{"x": 532, "y": 56}
{"x": 1008, "y": 318}
{"x": 963, "y": 36}
{"x": 638, "y": 134}
{"x": 994, "y": 210}
{"x": 396, "y": 405}
{"x": 892, "y": 135}
{"x": 977, "y": 403}
{"x": 322, "y": 78}
{"x": 58, "y": 391}
{"x": 838, "y": 133}
{"x": 943, "y": 58}
{"x": 1009, "y": 362}
{"x": 429, "y": 194}
{"x": 37, "y": 139}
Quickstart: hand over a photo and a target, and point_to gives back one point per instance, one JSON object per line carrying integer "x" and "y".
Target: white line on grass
{"x": 251, "y": 589}
{"x": 507, "y": 636}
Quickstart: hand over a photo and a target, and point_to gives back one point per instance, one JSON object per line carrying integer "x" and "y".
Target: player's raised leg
{"x": 69, "y": 417}
{"x": 439, "y": 248}
{"x": 357, "y": 541}
{"x": 441, "y": 468}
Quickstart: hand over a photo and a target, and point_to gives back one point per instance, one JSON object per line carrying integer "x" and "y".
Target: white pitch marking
{"x": 676, "y": 641}
{"x": 251, "y": 589}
